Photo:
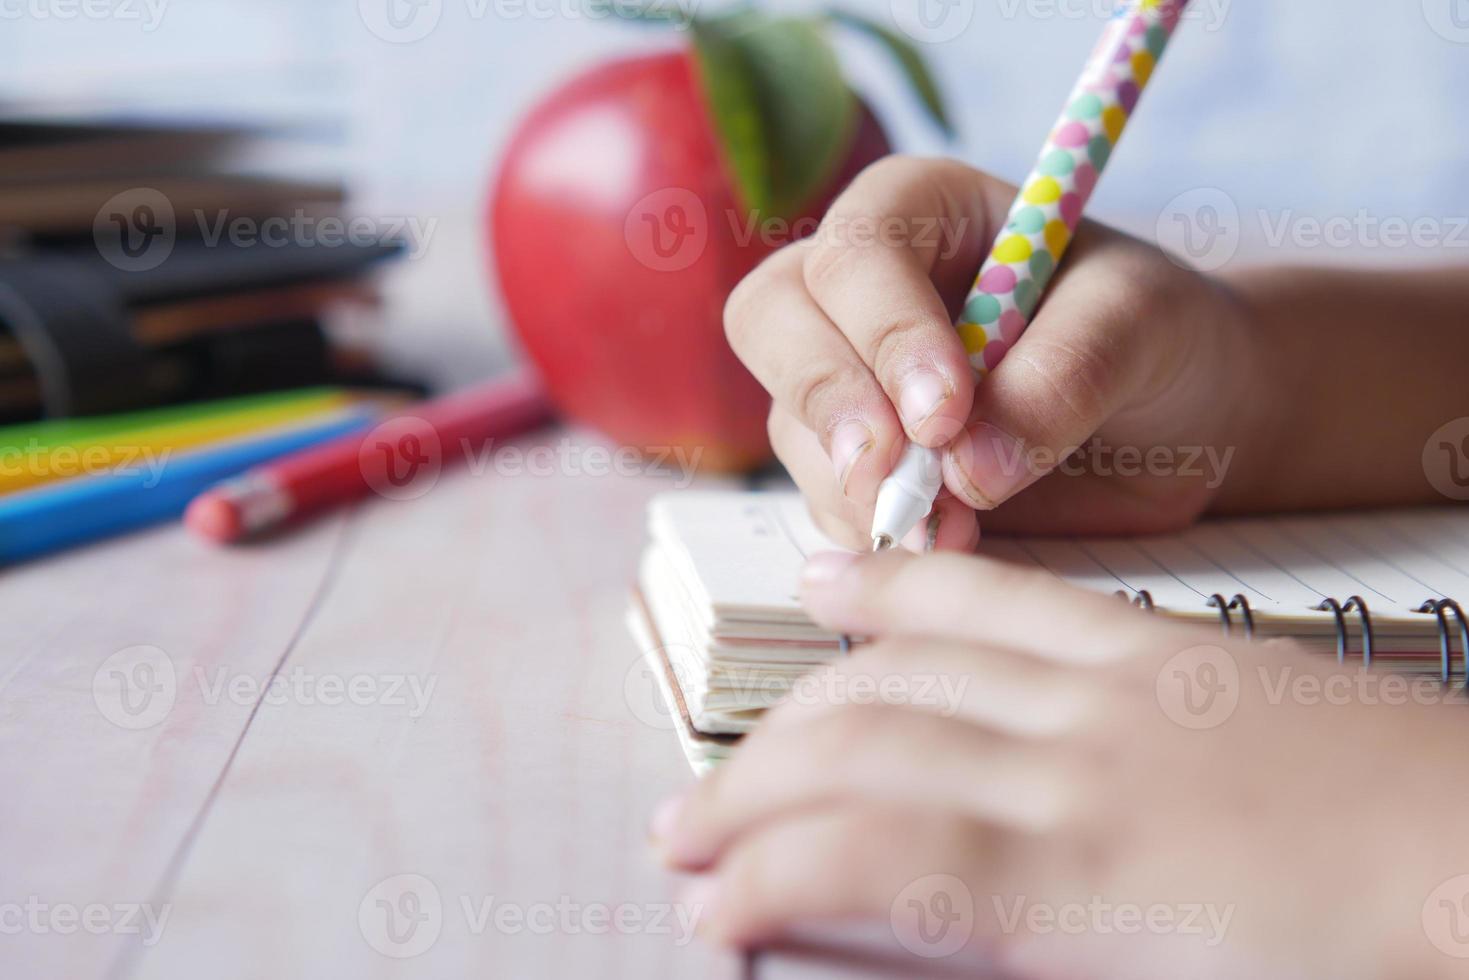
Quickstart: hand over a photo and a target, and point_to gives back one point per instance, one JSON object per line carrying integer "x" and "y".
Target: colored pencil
{"x": 72, "y": 512}
{"x": 54, "y": 432}
{"x": 324, "y": 476}
{"x": 26, "y": 462}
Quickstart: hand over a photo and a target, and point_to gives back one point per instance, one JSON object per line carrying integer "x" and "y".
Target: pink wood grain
{"x": 526, "y": 780}
{"x": 262, "y": 824}
{"x": 91, "y": 813}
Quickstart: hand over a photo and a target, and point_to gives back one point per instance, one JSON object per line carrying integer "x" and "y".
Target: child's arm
{"x": 1364, "y": 367}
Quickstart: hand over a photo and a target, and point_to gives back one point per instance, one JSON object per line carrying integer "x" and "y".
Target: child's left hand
{"x": 1076, "y": 788}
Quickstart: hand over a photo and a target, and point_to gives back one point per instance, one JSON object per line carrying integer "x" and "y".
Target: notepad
{"x": 718, "y": 615}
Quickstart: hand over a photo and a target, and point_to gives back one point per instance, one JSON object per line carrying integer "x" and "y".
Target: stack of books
{"x": 56, "y": 175}
{"x": 145, "y": 264}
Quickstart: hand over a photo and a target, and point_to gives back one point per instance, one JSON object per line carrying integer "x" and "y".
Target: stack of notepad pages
{"x": 717, "y": 611}
{"x": 718, "y": 617}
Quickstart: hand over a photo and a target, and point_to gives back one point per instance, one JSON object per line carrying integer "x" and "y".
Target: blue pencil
{"x": 75, "y": 511}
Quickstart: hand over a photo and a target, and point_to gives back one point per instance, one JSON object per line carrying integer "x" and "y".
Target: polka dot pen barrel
{"x": 1051, "y": 201}
{"x": 1039, "y": 227}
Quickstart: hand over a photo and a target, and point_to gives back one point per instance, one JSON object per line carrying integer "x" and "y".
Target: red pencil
{"x": 397, "y": 459}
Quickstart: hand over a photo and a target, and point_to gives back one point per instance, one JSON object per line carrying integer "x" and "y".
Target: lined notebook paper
{"x": 718, "y": 590}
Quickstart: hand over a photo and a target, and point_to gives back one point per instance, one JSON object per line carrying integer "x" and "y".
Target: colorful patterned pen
{"x": 1039, "y": 227}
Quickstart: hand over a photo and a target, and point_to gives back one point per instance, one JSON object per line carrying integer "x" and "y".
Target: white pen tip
{"x": 906, "y": 496}
{"x": 881, "y": 542}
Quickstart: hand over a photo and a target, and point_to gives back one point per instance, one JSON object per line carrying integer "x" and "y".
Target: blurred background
{"x": 1303, "y": 108}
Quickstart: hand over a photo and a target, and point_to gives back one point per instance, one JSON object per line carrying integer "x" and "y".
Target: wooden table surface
{"x": 494, "y": 816}
{"x": 411, "y": 739}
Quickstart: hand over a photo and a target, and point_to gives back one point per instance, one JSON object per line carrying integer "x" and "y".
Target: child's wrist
{"x": 1250, "y": 405}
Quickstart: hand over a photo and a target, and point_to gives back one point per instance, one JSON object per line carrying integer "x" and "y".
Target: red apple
{"x": 617, "y": 234}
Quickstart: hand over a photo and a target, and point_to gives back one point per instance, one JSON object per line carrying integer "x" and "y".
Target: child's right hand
{"x": 852, "y": 333}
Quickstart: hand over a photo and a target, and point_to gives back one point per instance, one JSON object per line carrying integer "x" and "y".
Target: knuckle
{"x": 829, "y": 265}
{"x": 905, "y": 189}
{"x": 887, "y": 344}
{"x": 1135, "y": 293}
{"x": 874, "y": 197}
{"x": 1074, "y": 385}
{"x": 819, "y": 391}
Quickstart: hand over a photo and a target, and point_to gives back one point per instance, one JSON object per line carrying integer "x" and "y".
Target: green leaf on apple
{"x": 810, "y": 113}
{"x": 734, "y": 104}
{"x": 781, "y": 108}
{"x": 780, "y": 104}
{"x": 908, "y": 59}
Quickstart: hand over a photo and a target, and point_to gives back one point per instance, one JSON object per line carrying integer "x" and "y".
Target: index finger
{"x": 871, "y": 268}
{"x": 974, "y": 599}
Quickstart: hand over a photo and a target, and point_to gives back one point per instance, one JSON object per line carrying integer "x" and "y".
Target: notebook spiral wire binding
{"x": 1143, "y": 600}
{"x": 1353, "y": 604}
{"x": 1217, "y": 601}
{"x": 1442, "y": 608}
{"x": 1246, "y": 614}
{"x": 1226, "y": 606}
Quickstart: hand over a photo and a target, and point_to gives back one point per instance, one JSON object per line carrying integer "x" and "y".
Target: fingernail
{"x": 992, "y": 464}
{"x": 922, "y": 393}
{"x": 848, "y": 443}
{"x": 701, "y": 897}
{"x": 824, "y": 569}
{"x": 665, "y": 817}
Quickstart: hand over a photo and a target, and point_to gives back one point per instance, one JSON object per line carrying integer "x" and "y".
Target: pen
{"x": 1038, "y": 229}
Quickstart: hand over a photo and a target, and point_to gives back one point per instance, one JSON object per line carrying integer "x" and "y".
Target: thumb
{"x": 1090, "y": 352}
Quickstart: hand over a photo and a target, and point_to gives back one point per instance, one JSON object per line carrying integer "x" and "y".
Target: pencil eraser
{"x": 214, "y": 517}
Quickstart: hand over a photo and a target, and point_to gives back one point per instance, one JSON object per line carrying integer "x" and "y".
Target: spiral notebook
{"x": 717, "y": 614}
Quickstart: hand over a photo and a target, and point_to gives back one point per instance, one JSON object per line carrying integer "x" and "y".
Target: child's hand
{"x": 1080, "y": 768}
{"x": 852, "y": 331}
